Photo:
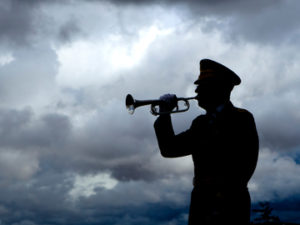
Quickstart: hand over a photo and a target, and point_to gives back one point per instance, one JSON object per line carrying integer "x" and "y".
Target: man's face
{"x": 211, "y": 93}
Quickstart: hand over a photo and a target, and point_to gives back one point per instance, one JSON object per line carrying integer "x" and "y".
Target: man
{"x": 223, "y": 144}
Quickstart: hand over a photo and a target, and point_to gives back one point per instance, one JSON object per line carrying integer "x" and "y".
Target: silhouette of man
{"x": 223, "y": 144}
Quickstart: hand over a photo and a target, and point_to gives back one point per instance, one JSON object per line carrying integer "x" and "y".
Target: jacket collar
{"x": 221, "y": 108}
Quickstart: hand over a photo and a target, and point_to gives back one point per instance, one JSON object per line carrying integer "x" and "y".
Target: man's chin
{"x": 201, "y": 104}
{"x": 204, "y": 105}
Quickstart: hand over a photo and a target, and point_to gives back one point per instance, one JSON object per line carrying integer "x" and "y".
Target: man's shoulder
{"x": 242, "y": 115}
{"x": 241, "y": 111}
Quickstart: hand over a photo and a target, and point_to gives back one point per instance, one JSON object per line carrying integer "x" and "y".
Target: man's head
{"x": 214, "y": 84}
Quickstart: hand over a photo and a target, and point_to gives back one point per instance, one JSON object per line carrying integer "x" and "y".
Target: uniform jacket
{"x": 224, "y": 147}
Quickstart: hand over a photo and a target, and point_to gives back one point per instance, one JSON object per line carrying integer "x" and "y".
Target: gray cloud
{"x": 68, "y": 30}
{"x": 21, "y": 130}
{"x": 279, "y": 127}
{"x": 264, "y": 21}
{"x": 23, "y": 22}
{"x": 16, "y": 21}
{"x": 272, "y": 186}
{"x": 31, "y": 74}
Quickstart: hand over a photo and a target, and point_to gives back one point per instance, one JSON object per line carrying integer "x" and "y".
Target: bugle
{"x": 132, "y": 104}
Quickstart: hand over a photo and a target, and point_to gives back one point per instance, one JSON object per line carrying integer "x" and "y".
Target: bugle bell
{"x": 132, "y": 104}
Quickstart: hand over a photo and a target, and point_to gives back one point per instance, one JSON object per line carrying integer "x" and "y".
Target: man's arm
{"x": 250, "y": 142}
{"x": 172, "y": 145}
{"x": 246, "y": 148}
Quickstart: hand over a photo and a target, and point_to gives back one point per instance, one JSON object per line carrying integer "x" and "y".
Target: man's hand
{"x": 169, "y": 102}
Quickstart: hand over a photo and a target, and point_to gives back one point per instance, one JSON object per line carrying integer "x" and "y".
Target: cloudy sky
{"x": 69, "y": 151}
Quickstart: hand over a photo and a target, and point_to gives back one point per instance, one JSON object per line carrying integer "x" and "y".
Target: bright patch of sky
{"x": 101, "y": 61}
{"x": 84, "y": 186}
{"x": 6, "y": 59}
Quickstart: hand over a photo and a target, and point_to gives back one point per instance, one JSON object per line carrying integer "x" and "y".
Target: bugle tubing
{"x": 132, "y": 104}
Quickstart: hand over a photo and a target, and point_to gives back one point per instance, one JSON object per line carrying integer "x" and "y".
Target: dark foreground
{"x": 276, "y": 223}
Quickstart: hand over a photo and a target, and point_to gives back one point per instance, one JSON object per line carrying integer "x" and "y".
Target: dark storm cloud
{"x": 21, "y": 129}
{"x": 222, "y": 10}
{"x": 257, "y": 21}
{"x": 262, "y": 22}
{"x": 16, "y": 21}
{"x": 45, "y": 199}
{"x": 195, "y": 2}
{"x": 45, "y": 203}
{"x": 52, "y": 141}
{"x": 275, "y": 85}
{"x": 39, "y": 201}
{"x": 21, "y": 22}
{"x": 104, "y": 144}
{"x": 68, "y": 30}
{"x": 271, "y": 22}
{"x": 275, "y": 24}
{"x": 280, "y": 130}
